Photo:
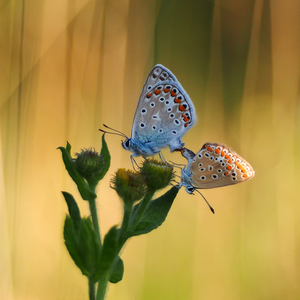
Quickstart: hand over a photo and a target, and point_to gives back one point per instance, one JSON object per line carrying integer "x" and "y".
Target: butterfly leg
{"x": 162, "y": 157}
{"x": 134, "y": 163}
{"x": 177, "y": 184}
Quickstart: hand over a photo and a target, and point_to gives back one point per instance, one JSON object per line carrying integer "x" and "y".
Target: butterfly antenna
{"x": 117, "y": 132}
{"x": 213, "y": 211}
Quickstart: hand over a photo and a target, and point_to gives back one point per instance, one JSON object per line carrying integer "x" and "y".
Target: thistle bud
{"x": 90, "y": 165}
{"x": 158, "y": 174}
{"x": 129, "y": 185}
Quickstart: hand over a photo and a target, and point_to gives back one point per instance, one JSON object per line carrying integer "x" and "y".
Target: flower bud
{"x": 129, "y": 185}
{"x": 158, "y": 174}
{"x": 90, "y": 165}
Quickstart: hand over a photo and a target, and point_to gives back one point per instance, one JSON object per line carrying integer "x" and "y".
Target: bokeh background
{"x": 67, "y": 67}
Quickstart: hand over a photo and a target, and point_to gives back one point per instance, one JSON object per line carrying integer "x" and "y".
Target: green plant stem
{"x": 92, "y": 294}
{"x": 125, "y": 223}
{"x": 94, "y": 215}
{"x": 102, "y": 286}
{"x": 141, "y": 209}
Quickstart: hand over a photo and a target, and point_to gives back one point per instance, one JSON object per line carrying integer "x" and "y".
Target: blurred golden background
{"x": 67, "y": 67}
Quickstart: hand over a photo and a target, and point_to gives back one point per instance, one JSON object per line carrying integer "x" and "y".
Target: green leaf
{"x": 106, "y": 157}
{"x": 84, "y": 190}
{"x": 89, "y": 245}
{"x": 73, "y": 247}
{"x": 68, "y": 148}
{"x": 108, "y": 254}
{"x": 73, "y": 211}
{"x": 155, "y": 214}
{"x": 117, "y": 272}
{"x": 84, "y": 250}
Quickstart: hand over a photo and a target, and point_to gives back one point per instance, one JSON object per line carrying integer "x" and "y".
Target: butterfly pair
{"x": 163, "y": 115}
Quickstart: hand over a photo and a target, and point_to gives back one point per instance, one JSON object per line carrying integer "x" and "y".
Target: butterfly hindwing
{"x": 214, "y": 166}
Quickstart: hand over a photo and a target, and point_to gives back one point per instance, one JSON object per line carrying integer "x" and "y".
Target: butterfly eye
{"x": 190, "y": 190}
{"x": 126, "y": 144}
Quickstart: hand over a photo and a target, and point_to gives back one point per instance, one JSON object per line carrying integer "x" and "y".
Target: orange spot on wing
{"x": 230, "y": 161}
{"x": 245, "y": 175}
{"x": 229, "y": 168}
{"x": 166, "y": 90}
{"x": 217, "y": 150}
{"x": 227, "y": 156}
{"x": 173, "y": 94}
{"x": 241, "y": 167}
{"x": 182, "y": 108}
{"x": 186, "y": 119}
{"x": 223, "y": 153}
{"x": 157, "y": 92}
{"x": 149, "y": 95}
{"x": 238, "y": 165}
{"x": 186, "y": 124}
{"x": 226, "y": 173}
{"x": 176, "y": 100}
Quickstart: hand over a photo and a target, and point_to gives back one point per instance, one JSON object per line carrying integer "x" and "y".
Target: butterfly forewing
{"x": 215, "y": 166}
{"x": 165, "y": 112}
{"x": 157, "y": 75}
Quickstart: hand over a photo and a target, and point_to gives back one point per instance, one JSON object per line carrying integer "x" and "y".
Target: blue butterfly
{"x": 163, "y": 115}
